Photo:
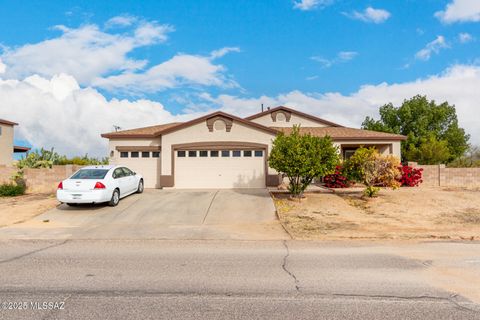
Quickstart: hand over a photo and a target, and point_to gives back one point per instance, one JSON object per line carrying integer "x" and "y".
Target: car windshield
{"x": 90, "y": 174}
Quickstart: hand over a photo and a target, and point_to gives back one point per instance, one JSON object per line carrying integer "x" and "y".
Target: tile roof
{"x": 344, "y": 133}
{"x": 145, "y": 132}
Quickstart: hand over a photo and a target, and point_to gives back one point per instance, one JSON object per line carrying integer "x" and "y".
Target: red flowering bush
{"x": 337, "y": 179}
{"x": 411, "y": 177}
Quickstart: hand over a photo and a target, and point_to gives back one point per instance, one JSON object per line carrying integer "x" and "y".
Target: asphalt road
{"x": 153, "y": 279}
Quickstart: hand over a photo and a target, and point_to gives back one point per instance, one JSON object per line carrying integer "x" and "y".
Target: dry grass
{"x": 407, "y": 213}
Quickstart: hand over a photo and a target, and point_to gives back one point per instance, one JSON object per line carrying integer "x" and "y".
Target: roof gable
{"x": 221, "y": 114}
{"x": 298, "y": 113}
{"x": 156, "y": 131}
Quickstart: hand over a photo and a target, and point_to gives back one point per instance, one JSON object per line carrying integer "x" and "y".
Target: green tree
{"x": 422, "y": 121}
{"x": 430, "y": 151}
{"x": 302, "y": 158}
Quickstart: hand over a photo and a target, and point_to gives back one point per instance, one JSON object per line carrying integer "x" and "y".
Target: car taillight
{"x": 99, "y": 185}
{"x": 60, "y": 186}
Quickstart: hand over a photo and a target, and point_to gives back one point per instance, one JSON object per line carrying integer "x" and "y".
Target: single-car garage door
{"x": 225, "y": 168}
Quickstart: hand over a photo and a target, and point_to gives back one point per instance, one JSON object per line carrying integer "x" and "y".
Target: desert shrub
{"x": 11, "y": 190}
{"x": 373, "y": 170}
{"x": 411, "y": 177}
{"x": 336, "y": 179}
{"x": 47, "y": 158}
{"x": 371, "y": 191}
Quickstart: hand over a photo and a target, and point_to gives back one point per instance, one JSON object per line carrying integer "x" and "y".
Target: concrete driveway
{"x": 247, "y": 214}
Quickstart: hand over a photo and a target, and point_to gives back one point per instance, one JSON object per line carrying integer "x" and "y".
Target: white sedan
{"x": 97, "y": 184}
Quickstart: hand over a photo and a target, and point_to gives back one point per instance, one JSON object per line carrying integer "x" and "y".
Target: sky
{"x": 70, "y": 70}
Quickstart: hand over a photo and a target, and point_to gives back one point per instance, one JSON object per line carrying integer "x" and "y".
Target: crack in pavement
{"x": 208, "y": 210}
{"x": 284, "y": 267}
{"x": 33, "y": 252}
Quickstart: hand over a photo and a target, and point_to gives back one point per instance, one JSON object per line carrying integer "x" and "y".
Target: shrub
{"x": 373, "y": 170}
{"x": 337, "y": 179}
{"x": 411, "y": 177}
{"x": 11, "y": 190}
{"x": 47, "y": 158}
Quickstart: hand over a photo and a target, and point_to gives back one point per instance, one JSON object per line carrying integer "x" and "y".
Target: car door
{"x": 120, "y": 179}
{"x": 130, "y": 180}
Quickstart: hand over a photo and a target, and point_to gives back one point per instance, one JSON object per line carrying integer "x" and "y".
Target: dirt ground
{"x": 405, "y": 213}
{"x": 18, "y": 209}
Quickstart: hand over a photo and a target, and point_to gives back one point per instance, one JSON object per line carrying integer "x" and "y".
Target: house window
{"x": 236, "y": 153}
{"x": 145, "y": 154}
{"x": 181, "y": 154}
{"x": 258, "y": 153}
{"x": 134, "y": 154}
{"x": 348, "y": 153}
{"x": 203, "y": 153}
{"x": 155, "y": 154}
{"x": 225, "y": 153}
{"x": 214, "y": 153}
{"x": 112, "y": 153}
{"x": 192, "y": 153}
{"x": 123, "y": 154}
{"x": 247, "y": 153}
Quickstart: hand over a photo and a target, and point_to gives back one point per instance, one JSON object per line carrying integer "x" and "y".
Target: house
{"x": 7, "y": 149}
{"x": 221, "y": 150}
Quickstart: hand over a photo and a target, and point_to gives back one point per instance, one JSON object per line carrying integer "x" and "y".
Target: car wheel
{"x": 140, "y": 187}
{"x": 72, "y": 204}
{"x": 115, "y": 198}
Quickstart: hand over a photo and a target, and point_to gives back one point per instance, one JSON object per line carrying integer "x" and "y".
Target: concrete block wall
{"x": 441, "y": 176}
{"x": 40, "y": 180}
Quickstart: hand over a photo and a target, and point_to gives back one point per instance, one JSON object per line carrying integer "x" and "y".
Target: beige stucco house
{"x": 221, "y": 150}
{"x": 7, "y": 149}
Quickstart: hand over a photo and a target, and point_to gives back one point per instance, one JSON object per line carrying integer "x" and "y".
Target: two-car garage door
{"x": 223, "y": 168}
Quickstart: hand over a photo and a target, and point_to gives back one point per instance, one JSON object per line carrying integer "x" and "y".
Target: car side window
{"x": 127, "y": 171}
{"x": 118, "y": 173}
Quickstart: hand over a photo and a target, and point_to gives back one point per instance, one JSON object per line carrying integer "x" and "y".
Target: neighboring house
{"x": 7, "y": 149}
{"x": 221, "y": 150}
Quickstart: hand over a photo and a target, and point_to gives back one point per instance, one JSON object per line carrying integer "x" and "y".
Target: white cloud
{"x": 223, "y": 51}
{"x": 458, "y": 85}
{"x": 432, "y": 47}
{"x": 370, "y": 15}
{"x": 120, "y": 21}
{"x": 58, "y": 113}
{"x": 460, "y": 11}
{"x": 182, "y": 69}
{"x": 86, "y": 52}
{"x": 465, "y": 37}
{"x": 306, "y": 5}
{"x": 342, "y": 56}
{"x": 3, "y": 67}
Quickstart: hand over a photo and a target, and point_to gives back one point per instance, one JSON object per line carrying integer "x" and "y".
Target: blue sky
{"x": 315, "y": 55}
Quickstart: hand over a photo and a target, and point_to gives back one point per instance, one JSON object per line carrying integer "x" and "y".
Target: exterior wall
{"x": 6, "y": 145}
{"x": 267, "y": 121}
{"x": 200, "y": 133}
{"x": 440, "y": 175}
{"x": 384, "y": 147}
{"x": 149, "y": 168}
{"x": 40, "y": 180}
